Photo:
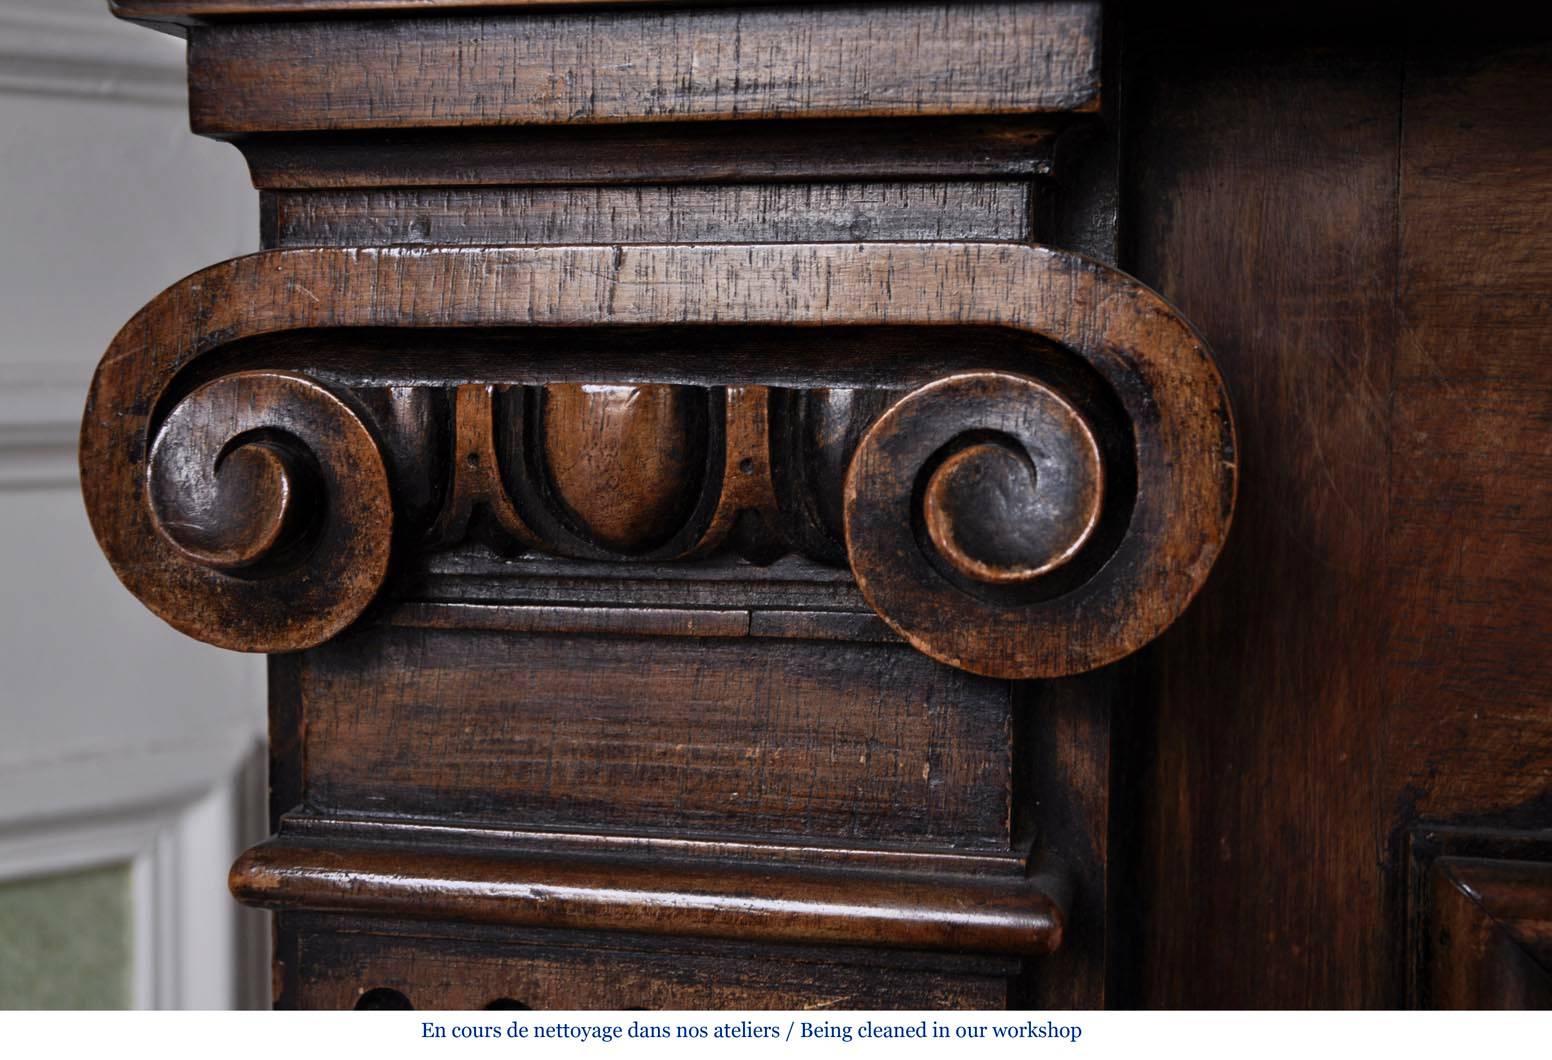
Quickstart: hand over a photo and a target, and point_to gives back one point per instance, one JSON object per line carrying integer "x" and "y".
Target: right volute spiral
{"x": 1006, "y": 527}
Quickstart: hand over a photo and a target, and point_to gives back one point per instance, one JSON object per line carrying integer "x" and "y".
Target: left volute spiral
{"x": 268, "y": 506}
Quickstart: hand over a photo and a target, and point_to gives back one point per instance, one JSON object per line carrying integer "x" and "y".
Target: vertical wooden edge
{"x": 1063, "y": 780}
{"x": 286, "y": 729}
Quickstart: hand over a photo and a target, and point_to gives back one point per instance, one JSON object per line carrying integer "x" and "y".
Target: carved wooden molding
{"x": 1013, "y": 524}
{"x": 1492, "y": 934}
{"x": 653, "y": 66}
{"x": 1480, "y": 922}
{"x": 1013, "y": 915}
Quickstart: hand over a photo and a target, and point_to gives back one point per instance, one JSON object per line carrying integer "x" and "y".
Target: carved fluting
{"x": 745, "y": 515}
{"x": 643, "y": 470}
{"x": 474, "y": 475}
{"x": 817, "y": 431}
{"x": 653, "y": 472}
{"x": 269, "y": 501}
{"x": 412, "y": 423}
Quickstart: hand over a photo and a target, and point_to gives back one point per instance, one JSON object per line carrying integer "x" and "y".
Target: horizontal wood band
{"x": 838, "y": 744}
{"x": 713, "y": 213}
{"x": 549, "y": 618}
{"x": 644, "y": 622}
{"x": 804, "y": 853}
{"x": 701, "y": 64}
{"x": 185, "y": 12}
{"x": 967, "y": 914}
{"x": 894, "y": 149}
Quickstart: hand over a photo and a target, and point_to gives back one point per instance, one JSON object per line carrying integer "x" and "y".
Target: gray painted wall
{"x": 125, "y": 743}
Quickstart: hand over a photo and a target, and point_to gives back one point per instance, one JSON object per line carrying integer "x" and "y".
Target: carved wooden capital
{"x": 1039, "y": 502}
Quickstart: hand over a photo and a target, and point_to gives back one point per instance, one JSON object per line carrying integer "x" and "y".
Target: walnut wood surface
{"x": 474, "y": 482}
{"x": 835, "y": 742}
{"x": 1013, "y": 487}
{"x": 1015, "y": 917}
{"x": 624, "y": 460}
{"x": 270, "y": 506}
{"x": 1490, "y": 934}
{"x": 231, "y": 9}
{"x": 612, "y": 722}
{"x": 1181, "y": 485}
{"x": 645, "y": 66}
{"x": 437, "y": 966}
{"x": 749, "y": 213}
{"x": 1353, "y": 223}
{"x": 685, "y": 154}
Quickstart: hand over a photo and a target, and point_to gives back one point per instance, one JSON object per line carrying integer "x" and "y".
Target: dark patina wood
{"x": 1348, "y": 207}
{"x": 751, "y": 470}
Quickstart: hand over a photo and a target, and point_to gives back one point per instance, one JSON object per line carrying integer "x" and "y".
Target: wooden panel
{"x": 874, "y": 60}
{"x": 337, "y": 967}
{"x": 1489, "y": 943}
{"x": 787, "y": 738}
{"x": 755, "y": 213}
{"x": 1262, "y": 203}
{"x": 1470, "y": 669}
{"x": 1361, "y": 244}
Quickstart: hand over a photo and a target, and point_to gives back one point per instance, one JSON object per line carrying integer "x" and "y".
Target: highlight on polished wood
{"x": 605, "y": 471}
{"x": 693, "y": 469}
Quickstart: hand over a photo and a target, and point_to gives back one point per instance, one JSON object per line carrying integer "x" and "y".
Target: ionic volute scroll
{"x": 1043, "y": 515}
{"x": 268, "y": 506}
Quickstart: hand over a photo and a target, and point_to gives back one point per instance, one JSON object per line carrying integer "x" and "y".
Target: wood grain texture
{"x": 891, "y": 150}
{"x": 265, "y": 500}
{"x": 624, "y": 461}
{"x": 629, "y": 66}
{"x": 975, "y": 915}
{"x": 1470, "y": 662}
{"x": 233, "y": 9}
{"x": 323, "y": 830}
{"x": 1490, "y": 945}
{"x": 1156, "y": 370}
{"x": 1354, "y": 227}
{"x": 746, "y": 736}
{"x": 747, "y": 511}
{"x": 1478, "y": 925}
{"x": 606, "y": 739}
{"x": 335, "y": 961}
{"x": 474, "y": 487}
{"x": 745, "y": 213}
{"x": 1262, "y": 202}
{"x": 999, "y": 481}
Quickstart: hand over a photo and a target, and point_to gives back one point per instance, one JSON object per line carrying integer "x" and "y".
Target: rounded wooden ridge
{"x": 265, "y": 522}
{"x": 1017, "y": 916}
{"x": 970, "y": 501}
{"x": 307, "y": 550}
